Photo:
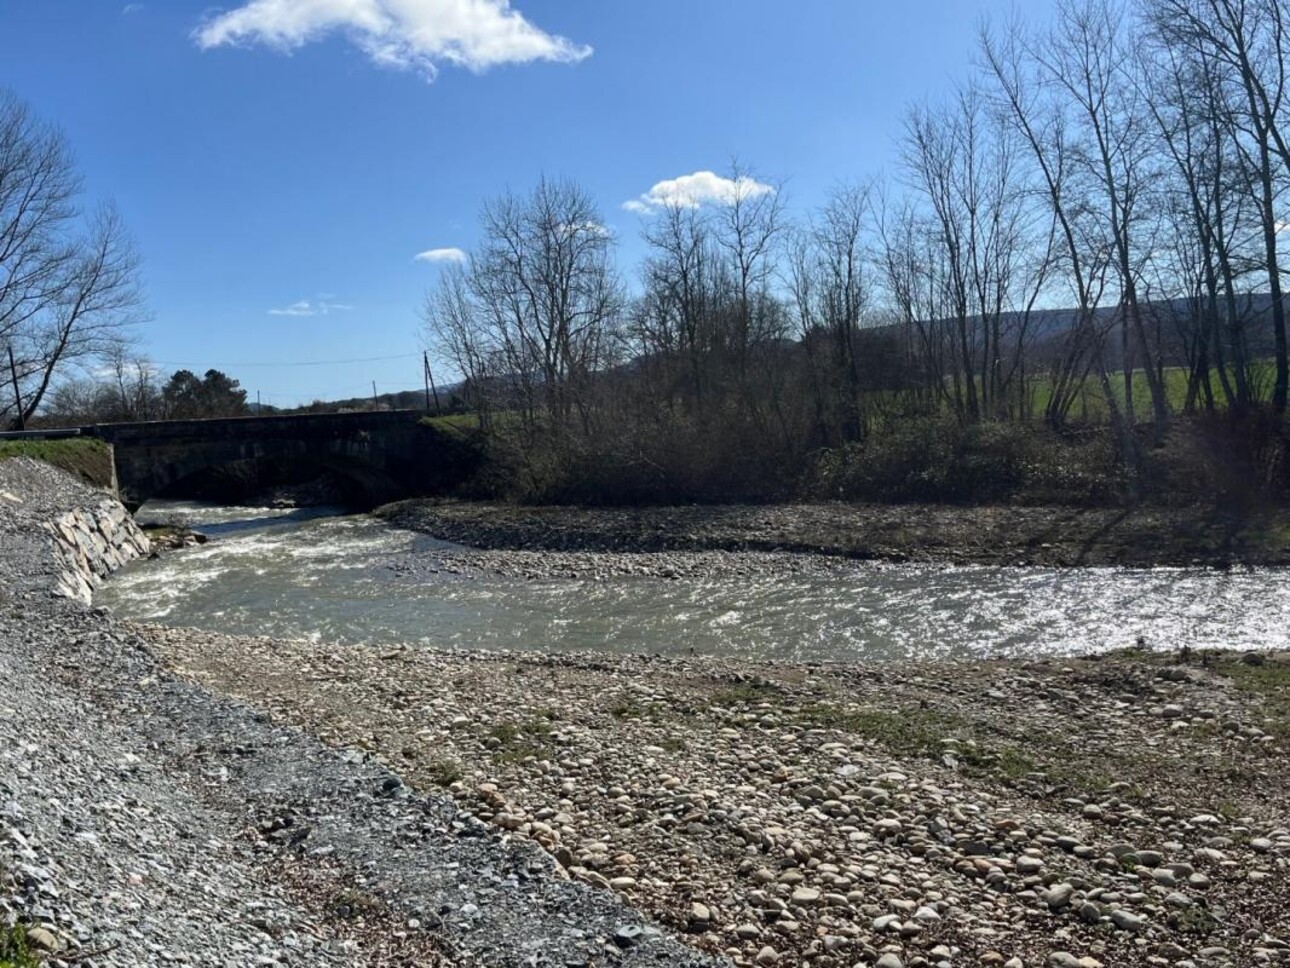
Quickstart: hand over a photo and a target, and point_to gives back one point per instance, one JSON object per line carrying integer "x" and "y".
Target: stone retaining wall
{"x": 92, "y": 542}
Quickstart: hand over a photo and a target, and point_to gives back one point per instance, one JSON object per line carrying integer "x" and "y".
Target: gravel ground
{"x": 146, "y": 820}
{"x": 1124, "y": 811}
{"x": 998, "y": 535}
{"x": 531, "y": 564}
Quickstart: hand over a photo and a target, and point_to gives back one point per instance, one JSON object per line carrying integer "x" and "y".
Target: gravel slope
{"x": 145, "y": 820}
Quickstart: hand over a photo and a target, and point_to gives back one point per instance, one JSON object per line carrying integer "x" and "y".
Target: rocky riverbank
{"x": 1128, "y": 810}
{"x": 147, "y": 820}
{"x": 989, "y": 535}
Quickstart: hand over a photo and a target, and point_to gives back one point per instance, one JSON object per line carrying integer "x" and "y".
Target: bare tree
{"x": 748, "y": 229}
{"x": 680, "y": 317}
{"x": 1249, "y": 42}
{"x": 1087, "y": 60}
{"x": 1208, "y": 204}
{"x": 1083, "y": 257}
{"x": 455, "y": 331}
{"x": 533, "y": 316}
{"x": 963, "y": 165}
{"x": 68, "y": 283}
{"x": 829, "y": 277}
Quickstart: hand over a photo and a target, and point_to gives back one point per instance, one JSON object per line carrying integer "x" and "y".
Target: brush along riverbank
{"x": 1119, "y": 811}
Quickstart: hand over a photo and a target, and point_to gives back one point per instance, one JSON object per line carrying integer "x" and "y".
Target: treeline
{"x": 129, "y": 389}
{"x": 1071, "y": 288}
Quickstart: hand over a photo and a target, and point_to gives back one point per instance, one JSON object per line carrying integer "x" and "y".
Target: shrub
{"x": 940, "y": 460}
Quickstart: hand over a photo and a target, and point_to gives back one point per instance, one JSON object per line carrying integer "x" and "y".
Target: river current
{"x": 310, "y": 574}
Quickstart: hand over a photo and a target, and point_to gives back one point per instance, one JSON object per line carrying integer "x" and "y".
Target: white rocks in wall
{"x": 92, "y": 543}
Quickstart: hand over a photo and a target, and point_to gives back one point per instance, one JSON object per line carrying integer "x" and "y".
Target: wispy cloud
{"x": 448, "y": 254}
{"x": 307, "y": 307}
{"x": 415, "y": 35}
{"x": 694, "y": 190}
{"x": 130, "y": 8}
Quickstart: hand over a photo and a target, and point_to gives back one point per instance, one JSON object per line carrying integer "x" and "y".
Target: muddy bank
{"x": 1120, "y": 811}
{"x": 1047, "y": 536}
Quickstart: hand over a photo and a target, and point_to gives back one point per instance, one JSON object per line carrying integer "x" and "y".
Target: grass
{"x": 745, "y": 692}
{"x": 931, "y": 734}
{"x": 82, "y": 457}
{"x": 14, "y": 952}
{"x": 519, "y": 741}
{"x": 1269, "y": 682}
{"x": 444, "y": 773}
{"x": 1195, "y": 920}
{"x": 469, "y": 422}
{"x": 1091, "y": 405}
{"x": 913, "y": 732}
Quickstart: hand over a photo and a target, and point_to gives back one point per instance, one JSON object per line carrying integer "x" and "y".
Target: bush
{"x": 676, "y": 459}
{"x": 1230, "y": 459}
{"x": 925, "y": 460}
{"x": 726, "y": 458}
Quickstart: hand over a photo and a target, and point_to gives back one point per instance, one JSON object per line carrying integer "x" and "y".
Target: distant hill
{"x": 399, "y": 400}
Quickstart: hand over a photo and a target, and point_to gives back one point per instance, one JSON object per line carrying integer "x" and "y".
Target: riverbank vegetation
{"x": 14, "y": 952}
{"x": 1070, "y": 291}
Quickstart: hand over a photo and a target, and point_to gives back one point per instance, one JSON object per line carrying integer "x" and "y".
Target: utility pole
{"x": 425, "y": 359}
{"x": 17, "y": 396}
{"x": 375, "y": 405}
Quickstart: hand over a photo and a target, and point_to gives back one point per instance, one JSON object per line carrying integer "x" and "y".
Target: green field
{"x": 1090, "y": 405}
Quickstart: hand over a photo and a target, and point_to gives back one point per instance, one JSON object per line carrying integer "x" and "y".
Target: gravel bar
{"x": 986, "y": 535}
{"x": 1128, "y": 810}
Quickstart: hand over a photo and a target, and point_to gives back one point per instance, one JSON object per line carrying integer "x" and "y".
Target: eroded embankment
{"x": 146, "y": 820}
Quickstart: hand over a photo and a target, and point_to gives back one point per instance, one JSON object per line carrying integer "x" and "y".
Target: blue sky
{"x": 281, "y": 162}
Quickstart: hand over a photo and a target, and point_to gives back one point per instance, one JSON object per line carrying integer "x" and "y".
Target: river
{"x": 314, "y": 574}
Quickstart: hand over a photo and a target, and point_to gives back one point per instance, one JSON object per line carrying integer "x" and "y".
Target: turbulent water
{"x": 309, "y": 574}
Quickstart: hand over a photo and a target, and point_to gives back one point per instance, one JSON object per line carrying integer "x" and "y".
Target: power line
{"x": 350, "y": 388}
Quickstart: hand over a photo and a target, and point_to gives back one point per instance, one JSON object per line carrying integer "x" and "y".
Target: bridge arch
{"x": 390, "y": 454}
{"x": 357, "y": 483}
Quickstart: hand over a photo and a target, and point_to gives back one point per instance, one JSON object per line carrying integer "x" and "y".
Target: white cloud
{"x": 694, "y": 190}
{"x": 130, "y": 8}
{"x": 306, "y": 307}
{"x": 449, "y": 254}
{"x": 407, "y": 34}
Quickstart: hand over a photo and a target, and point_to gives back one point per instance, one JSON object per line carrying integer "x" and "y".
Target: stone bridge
{"x": 388, "y": 454}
